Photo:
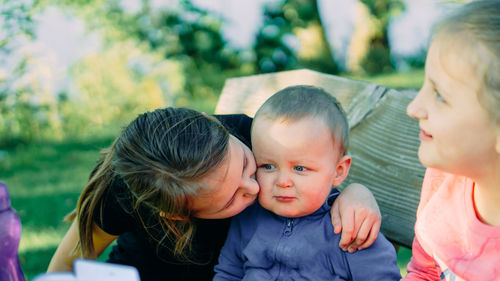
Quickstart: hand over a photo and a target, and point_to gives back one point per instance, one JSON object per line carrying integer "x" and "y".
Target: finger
{"x": 347, "y": 230}
{"x": 336, "y": 221}
{"x": 360, "y": 217}
{"x": 372, "y": 236}
{"x": 362, "y": 236}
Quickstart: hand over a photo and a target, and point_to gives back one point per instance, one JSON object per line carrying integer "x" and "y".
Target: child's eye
{"x": 439, "y": 97}
{"x": 299, "y": 168}
{"x": 267, "y": 166}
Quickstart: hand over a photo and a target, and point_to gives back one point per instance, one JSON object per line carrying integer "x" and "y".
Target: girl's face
{"x": 233, "y": 185}
{"x": 456, "y": 134}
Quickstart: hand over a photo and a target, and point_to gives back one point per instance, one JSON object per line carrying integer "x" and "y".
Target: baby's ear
{"x": 342, "y": 170}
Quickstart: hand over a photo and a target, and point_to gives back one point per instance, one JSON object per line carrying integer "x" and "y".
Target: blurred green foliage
{"x": 22, "y": 115}
{"x": 278, "y": 40}
{"x": 378, "y": 59}
{"x": 150, "y": 58}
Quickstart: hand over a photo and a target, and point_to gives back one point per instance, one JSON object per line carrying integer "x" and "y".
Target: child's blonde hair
{"x": 302, "y": 101}
{"x": 478, "y": 22}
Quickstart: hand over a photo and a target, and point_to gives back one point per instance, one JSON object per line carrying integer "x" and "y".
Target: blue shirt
{"x": 264, "y": 246}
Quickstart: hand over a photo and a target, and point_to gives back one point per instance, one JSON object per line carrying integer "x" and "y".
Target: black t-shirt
{"x": 135, "y": 245}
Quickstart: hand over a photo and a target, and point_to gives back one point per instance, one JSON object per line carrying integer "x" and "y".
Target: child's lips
{"x": 424, "y": 136}
{"x": 284, "y": 198}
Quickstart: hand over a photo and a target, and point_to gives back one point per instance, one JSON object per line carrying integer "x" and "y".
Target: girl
{"x": 166, "y": 189}
{"x": 457, "y": 233}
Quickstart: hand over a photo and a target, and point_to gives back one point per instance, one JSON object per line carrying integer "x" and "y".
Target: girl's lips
{"x": 284, "y": 198}
{"x": 424, "y": 136}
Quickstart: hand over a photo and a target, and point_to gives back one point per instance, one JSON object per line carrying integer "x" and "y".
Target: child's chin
{"x": 289, "y": 214}
{"x": 425, "y": 157}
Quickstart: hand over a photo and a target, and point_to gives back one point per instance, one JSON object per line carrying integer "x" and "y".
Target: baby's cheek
{"x": 265, "y": 182}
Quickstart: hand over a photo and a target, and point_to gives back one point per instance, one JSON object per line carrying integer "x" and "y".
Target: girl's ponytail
{"x": 89, "y": 203}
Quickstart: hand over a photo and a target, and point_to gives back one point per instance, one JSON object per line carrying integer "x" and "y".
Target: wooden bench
{"x": 383, "y": 141}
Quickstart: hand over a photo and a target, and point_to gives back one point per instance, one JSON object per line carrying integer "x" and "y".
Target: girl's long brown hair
{"x": 161, "y": 156}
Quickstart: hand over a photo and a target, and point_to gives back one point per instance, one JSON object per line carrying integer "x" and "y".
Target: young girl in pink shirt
{"x": 457, "y": 233}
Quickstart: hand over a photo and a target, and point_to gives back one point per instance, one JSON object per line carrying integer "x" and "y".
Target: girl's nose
{"x": 251, "y": 186}
{"x": 415, "y": 109}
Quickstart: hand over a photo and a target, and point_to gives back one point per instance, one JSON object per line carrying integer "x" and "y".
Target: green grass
{"x": 45, "y": 179}
{"x": 404, "y": 255}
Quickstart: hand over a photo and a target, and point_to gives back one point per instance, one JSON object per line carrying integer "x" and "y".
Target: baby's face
{"x": 296, "y": 164}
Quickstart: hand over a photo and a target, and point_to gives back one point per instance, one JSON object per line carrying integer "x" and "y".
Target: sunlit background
{"x": 73, "y": 72}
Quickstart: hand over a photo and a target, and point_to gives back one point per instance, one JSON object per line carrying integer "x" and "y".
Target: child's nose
{"x": 415, "y": 109}
{"x": 284, "y": 180}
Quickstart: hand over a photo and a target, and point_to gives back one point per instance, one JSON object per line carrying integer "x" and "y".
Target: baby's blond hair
{"x": 302, "y": 101}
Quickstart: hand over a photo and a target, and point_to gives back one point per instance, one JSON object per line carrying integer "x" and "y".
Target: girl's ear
{"x": 342, "y": 170}
{"x": 497, "y": 135}
{"x": 176, "y": 218}
{"x": 497, "y": 147}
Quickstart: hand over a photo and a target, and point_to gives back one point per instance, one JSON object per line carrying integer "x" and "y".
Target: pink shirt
{"x": 451, "y": 243}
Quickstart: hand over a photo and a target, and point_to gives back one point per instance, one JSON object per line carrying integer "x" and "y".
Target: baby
{"x": 299, "y": 138}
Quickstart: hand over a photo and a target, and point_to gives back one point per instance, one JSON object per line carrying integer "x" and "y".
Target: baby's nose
{"x": 284, "y": 181}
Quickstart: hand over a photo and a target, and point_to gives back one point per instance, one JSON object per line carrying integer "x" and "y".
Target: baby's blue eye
{"x": 268, "y": 166}
{"x": 299, "y": 168}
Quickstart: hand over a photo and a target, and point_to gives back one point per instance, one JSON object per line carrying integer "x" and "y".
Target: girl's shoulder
{"x": 238, "y": 125}
{"x": 436, "y": 180}
{"x": 117, "y": 213}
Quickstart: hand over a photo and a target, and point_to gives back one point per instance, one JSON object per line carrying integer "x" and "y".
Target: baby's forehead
{"x": 264, "y": 127}
{"x": 291, "y": 119}
{"x": 312, "y": 120}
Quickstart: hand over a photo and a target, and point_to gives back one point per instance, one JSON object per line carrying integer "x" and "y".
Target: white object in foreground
{"x": 89, "y": 270}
